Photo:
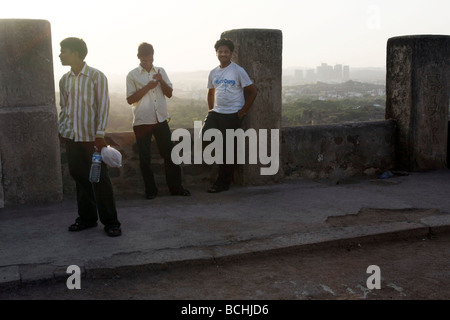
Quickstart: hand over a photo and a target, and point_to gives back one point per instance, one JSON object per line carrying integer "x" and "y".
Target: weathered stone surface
{"x": 418, "y": 91}
{"x": 9, "y": 275}
{"x": 259, "y": 52}
{"x": 2, "y": 195}
{"x": 127, "y": 180}
{"x": 29, "y": 148}
{"x": 417, "y": 96}
{"x": 325, "y": 151}
{"x": 30, "y": 155}
{"x": 26, "y": 64}
{"x": 338, "y": 151}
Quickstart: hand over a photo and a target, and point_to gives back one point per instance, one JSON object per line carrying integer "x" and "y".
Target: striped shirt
{"x": 84, "y": 101}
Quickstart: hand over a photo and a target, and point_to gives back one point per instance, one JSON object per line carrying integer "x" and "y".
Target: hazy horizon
{"x": 347, "y": 32}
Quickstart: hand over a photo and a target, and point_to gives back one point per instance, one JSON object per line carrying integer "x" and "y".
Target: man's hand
{"x": 152, "y": 84}
{"x": 158, "y": 76}
{"x": 62, "y": 139}
{"x": 138, "y": 95}
{"x": 166, "y": 89}
{"x": 241, "y": 114}
{"x": 100, "y": 143}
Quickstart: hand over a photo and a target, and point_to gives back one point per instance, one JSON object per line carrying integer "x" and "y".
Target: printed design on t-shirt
{"x": 226, "y": 83}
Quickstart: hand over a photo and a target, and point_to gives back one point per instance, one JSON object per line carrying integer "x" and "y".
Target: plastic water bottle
{"x": 96, "y": 167}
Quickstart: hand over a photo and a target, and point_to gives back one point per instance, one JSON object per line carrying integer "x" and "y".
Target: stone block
{"x": 338, "y": 151}
{"x": 259, "y": 52}
{"x": 29, "y": 148}
{"x": 30, "y": 155}
{"x": 2, "y": 194}
{"x": 26, "y": 64}
{"x": 417, "y": 97}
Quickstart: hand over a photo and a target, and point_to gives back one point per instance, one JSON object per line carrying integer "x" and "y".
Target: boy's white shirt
{"x": 152, "y": 108}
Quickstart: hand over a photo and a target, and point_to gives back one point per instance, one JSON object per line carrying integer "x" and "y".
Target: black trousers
{"x": 222, "y": 122}
{"x": 95, "y": 200}
{"x": 163, "y": 136}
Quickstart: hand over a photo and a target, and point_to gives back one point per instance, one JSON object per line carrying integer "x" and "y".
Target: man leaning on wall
{"x": 147, "y": 89}
{"x": 231, "y": 94}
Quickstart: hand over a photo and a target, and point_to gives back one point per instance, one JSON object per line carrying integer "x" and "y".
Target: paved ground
{"x": 409, "y": 269}
{"x": 35, "y": 243}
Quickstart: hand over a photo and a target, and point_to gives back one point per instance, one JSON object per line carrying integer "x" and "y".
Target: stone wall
{"x": 29, "y": 149}
{"x": 323, "y": 151}
{"x": 338, "y": 151}
{"x": 127, "y": 180}
{"x": 259, "y": 52}
{"x": 33, "y": 166}
{"x": 417, "y": 97}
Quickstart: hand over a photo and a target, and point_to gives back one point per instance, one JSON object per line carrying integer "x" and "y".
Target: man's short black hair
{"x": 145, "y": 49}
{"x": 75, "y": 45}
{"x": 224, "y": 42}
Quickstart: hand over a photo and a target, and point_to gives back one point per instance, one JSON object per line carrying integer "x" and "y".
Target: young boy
{"x": 84, "y": 101}
{"x": 147, "y": 89}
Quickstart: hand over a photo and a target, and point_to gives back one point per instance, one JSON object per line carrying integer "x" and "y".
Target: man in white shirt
{"x": 231, "y": 93}
{"x": 147, "y": 89}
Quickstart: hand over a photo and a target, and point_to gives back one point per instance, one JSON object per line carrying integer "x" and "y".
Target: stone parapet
{"x": 417, "y": 97}
{"x": 338, "y": 151}
{"x": 259, "y": 52}
{"x": 324, "y": 151}
{"x": 29, "y": 148}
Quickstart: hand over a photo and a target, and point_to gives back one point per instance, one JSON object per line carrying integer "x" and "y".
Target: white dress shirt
{"x": 152, "y": 108}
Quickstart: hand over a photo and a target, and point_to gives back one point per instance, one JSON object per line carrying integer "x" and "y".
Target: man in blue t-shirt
{"x": 231, "y": 93}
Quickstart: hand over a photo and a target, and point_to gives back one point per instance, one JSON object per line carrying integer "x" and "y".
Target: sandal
{"x": 217, "y": 188}
{"x": 78, "y": 226}
{"x": 113, "y": 231}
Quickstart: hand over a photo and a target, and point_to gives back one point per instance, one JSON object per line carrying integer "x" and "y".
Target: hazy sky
{"x": 183, "y": 32}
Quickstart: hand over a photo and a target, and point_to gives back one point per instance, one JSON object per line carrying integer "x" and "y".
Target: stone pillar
{"x": 29, "y": 147}
{"x": 417, "y": 96}
{"x": 259, "y": 52}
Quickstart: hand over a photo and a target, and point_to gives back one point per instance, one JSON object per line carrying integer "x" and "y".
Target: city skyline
{"x": 347, "y": 32}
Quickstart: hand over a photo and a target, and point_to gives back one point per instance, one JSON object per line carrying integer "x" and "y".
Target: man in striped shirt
{"x": 84, "y": 101}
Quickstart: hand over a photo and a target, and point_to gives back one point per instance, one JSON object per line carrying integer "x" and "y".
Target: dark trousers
{"x": 92, "y": 198}
{"x": 163, "y": 135}
{"x": 222, "y": 122}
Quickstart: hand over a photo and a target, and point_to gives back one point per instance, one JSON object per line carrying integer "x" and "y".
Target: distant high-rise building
{"x": 338, "y": 72}
{"x": 298, "y": 74}
{"x": 346, "y": 73}
{"x": 310, "y": 75}
{"x": 324, "y": 72}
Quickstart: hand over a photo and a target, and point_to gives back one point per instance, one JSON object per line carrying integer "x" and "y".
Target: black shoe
{"x": 216, "y": 188}
{"x": 151, "y": 195}
{"x": 78, "y": 226}
{"x": 113, "y": 231}
{"x": 180, "y": 192}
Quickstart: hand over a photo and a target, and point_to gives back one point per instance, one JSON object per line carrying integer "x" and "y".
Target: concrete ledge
{"x": 297, "y": 216}
{"x": 437, "y": 224}
{"x": 122, "y": 264}
{"x": 9, "y": 276}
